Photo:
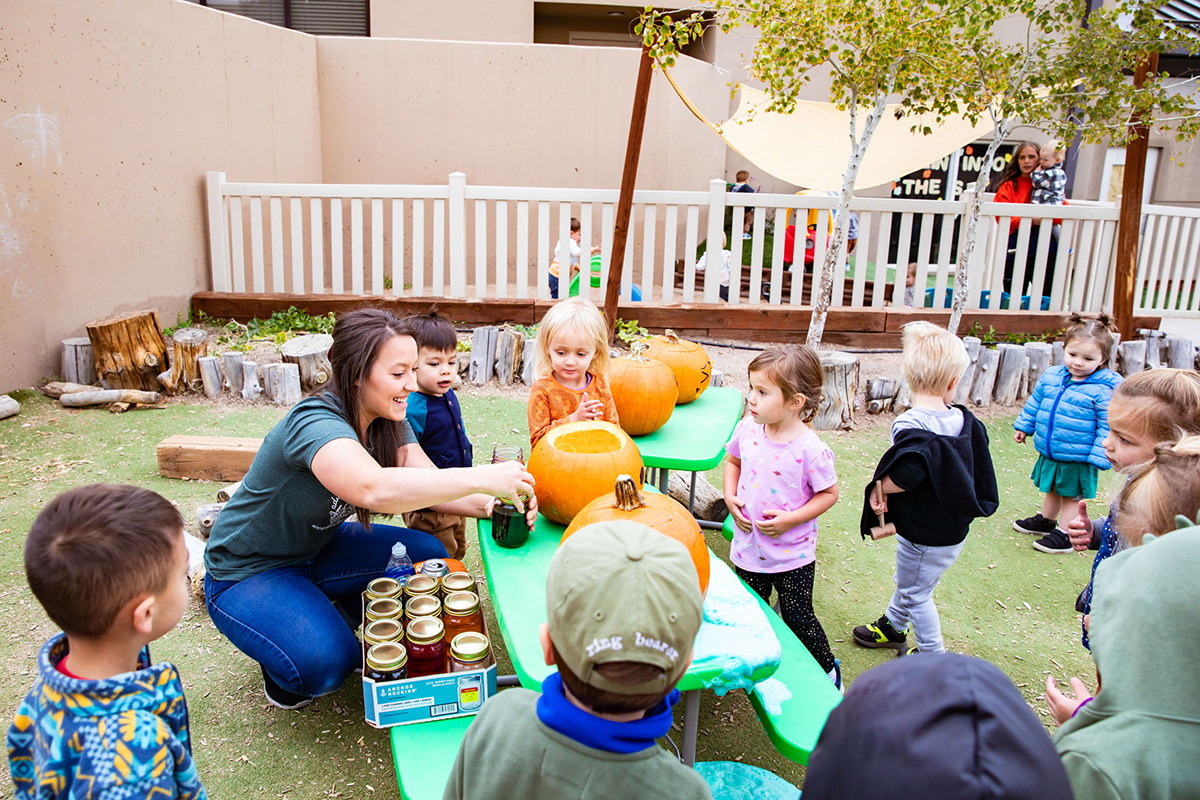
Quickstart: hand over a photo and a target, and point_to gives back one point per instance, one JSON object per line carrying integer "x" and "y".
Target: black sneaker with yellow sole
{"x": 880, "y": 633}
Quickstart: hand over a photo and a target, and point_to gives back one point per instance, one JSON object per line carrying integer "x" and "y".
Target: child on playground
{"x": 1145, "y": 630}
{"x": 1147, "y": 410}
{"x": 937, "y": 478}
{"x": 109, "y": 566}
{"x": 573, "y": 256}
{"x": 572, "y": 346}
{"x": 742, "y": 186}
{"x": 436, "y": 419}
{"x": 910, "y": 285}
{"x": 726, "y": 266}
{"x": 1067, "y": 414}
{"x": 779, "y": 478}
{"x": 1049, "y": 179}
{"x": 623, "y": 609}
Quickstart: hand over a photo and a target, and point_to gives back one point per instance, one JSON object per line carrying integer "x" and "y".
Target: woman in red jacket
{"x": 1015, "y": 186}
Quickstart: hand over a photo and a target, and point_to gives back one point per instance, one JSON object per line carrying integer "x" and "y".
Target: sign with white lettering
{"x": 930, "y": 183}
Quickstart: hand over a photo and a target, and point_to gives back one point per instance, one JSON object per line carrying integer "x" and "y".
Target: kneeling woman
{"x": 297, "y": 537}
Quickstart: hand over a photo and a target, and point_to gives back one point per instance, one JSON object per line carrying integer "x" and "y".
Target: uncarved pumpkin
{"x": 657, "y": 511}
{"x": 577, "y": 462}
{"x": 689, "y": 362}
{"x": 644, "y": 391}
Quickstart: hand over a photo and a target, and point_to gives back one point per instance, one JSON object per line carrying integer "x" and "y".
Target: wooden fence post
{"x": 456, "y": 209}
{"x": 218, "y": 220}
{"x": 716, "y": 229}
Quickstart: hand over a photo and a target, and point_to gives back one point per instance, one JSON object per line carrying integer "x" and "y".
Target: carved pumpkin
{"x": 689, "y": 362}
{"x": 577, "y": 462}
{"x": 654, "y": 510}
{"x": 644, "y": 391}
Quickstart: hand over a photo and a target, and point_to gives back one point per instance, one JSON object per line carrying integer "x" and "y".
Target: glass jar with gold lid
{"x": 462, "y": 614}
{"x": 425, "y": 640}
{"x": 458, "y": 582}
{"x": 384, "y": 608}
{"x": 381, "y": 631}
{"x": 470, "y": 651}
{"x": 420, "y": 585}
{"x": 423, "y": 606}
{"x": 383, "y": 587}
{"x": 387, "y": 662}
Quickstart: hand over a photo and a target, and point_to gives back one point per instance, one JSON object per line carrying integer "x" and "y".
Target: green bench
{"x": 794, "y": 726}
{"x": 423, "y": 755}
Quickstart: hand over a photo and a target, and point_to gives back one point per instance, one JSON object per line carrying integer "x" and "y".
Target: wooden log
{"x": 903, "y": 400}
{"x": 529, "y": 363}
{"x": 210, "y": 375}
{"x": 840, "y": 391}
{"x": 282, "y": 383}
{"x": 882, "y": 388}
{"x": 1133, "y": 357}
{"x": 206, "y": 515}
{"x": 709, "y": 503}
{"x": 233, "y": 370}
{"x": 1013, "y": 363}
{"x": 1039, "y": 355}
{"x": 119, "y": 408}
{"x": 311, "y": 354}
{"x": 129, "y": 350}
{"x": 251, "y": 389}
{"x": 1154, "y": 352}
{"x": 483, "y": 354}
{"x": 78, "y": 365}
{"x": 57, "y": 389}
{"x": 187, "y": 346}
{"x": 717, "y": 379}
{"x": 1057, "y": 356}
{"x": 226, "y": 492}
{"x": 973, "y": 344}
{"x": 1113, "y": 353}
{"x": 985, "y": 378}
{"x": 1181, "y": 353}
{"x": 211, "y": 458}
{"x": 102, "y": 397}
{"x": 8, "y": 407}
{"x": 510, "y": 346}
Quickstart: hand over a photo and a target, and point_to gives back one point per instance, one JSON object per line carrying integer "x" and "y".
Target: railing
{"x": 485, "y": 242}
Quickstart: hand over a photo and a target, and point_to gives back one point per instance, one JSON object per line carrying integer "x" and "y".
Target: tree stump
{"x": 985, "y": 378}
{"x": 311, "y": 355}
{"x": 226, "y": 492}
{"x": 1039, "y": 354}
{"x": 1013, "y": 363}
{"x": 188, "y": 345}
{"x": 233, "y": 371}
{"x": 529, "y": 365}
{"x": 1181, "y": 353}
{"x": 903, "y": 400}
{"x": 206, "y": 515}
{"x": 78, "y": 364}
{"x": 210, "y": 375}
{"x": 483, "y": 355}
{"x": 1114, "y": 352}
{"x": 1133, "y": 357}
{"x": 251, "y": 389}
{"x": 1154, "y": 352}
{"x": 836, "y": 412}
{"x": 1057, "y": 356}
{"x": 880, "y": 392}
{"x": 709, "y": 503}
{"x": 282, "y": 383}
{"x": 510, "y": 346}
{"x": 129, "y": 350}
{"x": 972, "y": 343}
{"x": 717, "y": 379}
{"x": 8, "y": 407}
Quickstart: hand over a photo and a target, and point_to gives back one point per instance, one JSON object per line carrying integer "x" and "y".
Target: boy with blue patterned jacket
{"x": 109, "y": 565}
{"x": 436, "y": 420}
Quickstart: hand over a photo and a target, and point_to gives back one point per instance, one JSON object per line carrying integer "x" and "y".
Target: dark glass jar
{"x": 384, "y": 608}
{"x": 382, "y": 631}
{"x": 458, "y": 582}
{"x": 462, "y": 614}
{"x": 509, "y": 526}
{"x": 383, "y": 587}
{"x": 387, "y": 662}
{"x": 426, "y": 646}
{"x": 419, "y": 585}
{"x": 423, "y": 606}
{"x": 470, "y": 651}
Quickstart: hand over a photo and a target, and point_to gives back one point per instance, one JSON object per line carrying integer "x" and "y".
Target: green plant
{"x": 462, "y": 347}
{"x": 186, "y": 319}
{"x": 528, "y": 331}
{"x": 629, "y": 332}
{"x": 288, "y": 323}
{"x": 387, "y": 281}
{"x": 993, "y": 336}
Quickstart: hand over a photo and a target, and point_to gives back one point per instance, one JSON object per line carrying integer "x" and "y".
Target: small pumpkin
{"x": 689, "y": 362}
{"x": 657, "y": 511}
{"x": 577, "y": 462}
{"x": 644, "y": 391}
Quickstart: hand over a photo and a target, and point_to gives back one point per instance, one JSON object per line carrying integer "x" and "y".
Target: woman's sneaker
{"x": 880, "y": 633}
{"x": 1054, "y": 543}
{"x": 1037, "y": 525}
{"x": 281, "y": 697}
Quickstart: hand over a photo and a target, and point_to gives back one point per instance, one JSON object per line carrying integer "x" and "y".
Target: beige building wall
{"x": 108, "y": 121}
{"x": 465, "y": 20}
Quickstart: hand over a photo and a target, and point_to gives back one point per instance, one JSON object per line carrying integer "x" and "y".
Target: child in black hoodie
{"x": 937, "y": 477}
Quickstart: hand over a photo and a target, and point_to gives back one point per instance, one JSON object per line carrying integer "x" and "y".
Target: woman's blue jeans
{"x": 285, "y": 619}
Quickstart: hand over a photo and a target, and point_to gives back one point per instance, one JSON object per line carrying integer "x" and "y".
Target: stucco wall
{"x": 111, "y": 114}
{"x": 467, "y": 20}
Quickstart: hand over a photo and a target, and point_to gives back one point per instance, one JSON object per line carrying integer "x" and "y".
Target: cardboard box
{"x": 459, "y": 694}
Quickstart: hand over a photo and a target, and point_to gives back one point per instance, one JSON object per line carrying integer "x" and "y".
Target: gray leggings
{"x": 919, "y": 567}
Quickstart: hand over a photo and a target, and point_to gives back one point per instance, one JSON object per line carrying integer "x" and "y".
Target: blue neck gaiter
{"x": 561, "y": 715}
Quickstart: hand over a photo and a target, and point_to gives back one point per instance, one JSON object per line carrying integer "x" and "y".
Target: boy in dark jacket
{"x": 436, "y": 419}
{"x": 937, "y": 477}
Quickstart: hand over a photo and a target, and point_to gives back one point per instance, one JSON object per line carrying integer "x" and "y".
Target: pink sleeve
{"x": 821, "y": 474}
{"x": 732, "y": 447}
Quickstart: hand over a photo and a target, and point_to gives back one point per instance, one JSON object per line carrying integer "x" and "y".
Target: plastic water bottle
{"x": 399, "y": 566}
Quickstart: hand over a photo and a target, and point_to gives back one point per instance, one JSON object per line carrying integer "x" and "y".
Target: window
{"x": 320, "y": 17}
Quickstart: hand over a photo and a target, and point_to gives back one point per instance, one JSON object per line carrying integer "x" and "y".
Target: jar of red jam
{"x": 420, "y": 586}
{"x": 458, "y": 582}
{"x": 383, "y": 587}
{"x": 423, "y": 606}
{"x": 387, "y": 662}
{"x": 384, "y": 608}
{"x": 426, "y": 646}
{"x": 470, "y": 651}
{"x": 381, "y": 631}
{"x": 462, "y": 614}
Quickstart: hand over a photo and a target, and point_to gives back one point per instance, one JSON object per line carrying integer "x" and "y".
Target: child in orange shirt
{"x": 572, "y": 343}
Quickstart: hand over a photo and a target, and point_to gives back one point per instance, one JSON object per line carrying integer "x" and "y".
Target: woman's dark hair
{"x": 1012, "y": 170}
{"x": 358, "y": 337}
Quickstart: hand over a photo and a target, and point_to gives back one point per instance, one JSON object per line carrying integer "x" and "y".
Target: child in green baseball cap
{"x": 623, "y": 607}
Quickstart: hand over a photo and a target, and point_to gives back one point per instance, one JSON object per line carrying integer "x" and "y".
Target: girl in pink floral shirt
{"x": 779, "y": 478}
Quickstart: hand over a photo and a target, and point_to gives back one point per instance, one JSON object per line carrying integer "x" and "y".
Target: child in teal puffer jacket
{"x": 1067, "y": 413}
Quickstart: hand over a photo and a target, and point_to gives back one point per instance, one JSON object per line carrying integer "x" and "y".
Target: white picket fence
{"x": 483, "y": 242}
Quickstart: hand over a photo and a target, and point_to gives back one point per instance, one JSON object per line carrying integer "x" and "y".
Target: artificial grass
{"x": 1002, "y": 601}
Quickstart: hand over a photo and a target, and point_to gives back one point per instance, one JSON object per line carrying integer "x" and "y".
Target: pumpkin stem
{"x": 639, "y": 347}
{"x": 672, "y": 337}
{"x": 628, "y": 496}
